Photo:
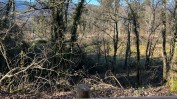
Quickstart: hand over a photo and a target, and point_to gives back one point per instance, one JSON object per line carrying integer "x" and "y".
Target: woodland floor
{"x": 100, "y": 89}
{"x": 105, "y": 92}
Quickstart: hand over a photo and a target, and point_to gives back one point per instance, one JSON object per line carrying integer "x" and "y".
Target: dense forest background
{"x": 52, "y": 45}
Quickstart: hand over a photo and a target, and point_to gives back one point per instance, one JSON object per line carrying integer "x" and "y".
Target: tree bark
{"x": 115, "y": 41}
{"x": 116, "y": 33}
{"x": 127, "y": 54}
{"x": 173, "y": 55}
{"x": 149, "y": 46}
{"x": 164, "y": 53}
{"x": 58, "y": 29}
{"x": 77, "y": 16}
{"x": 134, "y": 19}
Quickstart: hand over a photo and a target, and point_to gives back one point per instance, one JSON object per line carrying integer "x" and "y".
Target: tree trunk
{"x": 127, "y": 54}
{"x": 76, "y": 20}
{"x": 66, "y": 12}
{"x": 116, "y": 33}
{"x": 135, "y": 29}
{"x": 115, "y": 41}
{"x": 74, "y": 34}
{"x": 137, "y": 52}
{"x": 164, "y": 53}
{"x": 134, "y": 18}
{"x": 173, "y": 55}
{"x": 105, "y": 53}
{"x": 149, "y": 46}
{"x": 58, "y": 29}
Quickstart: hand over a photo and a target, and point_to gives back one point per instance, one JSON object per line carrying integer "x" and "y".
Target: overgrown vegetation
{"x": 53, "y": 45}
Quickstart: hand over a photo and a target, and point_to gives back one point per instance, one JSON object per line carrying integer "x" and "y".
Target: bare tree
{"x": 173, "y": 52}
{"x": 153, "y": 25}
{"x": 134, "y": 19}
{"x": 164, "y": 53}
{"x": 110, "y": 21}
{"x": 76, "y": 19}
{"x": 58, "y": 28}
{"x": 128, "y": 47}
{"x": 116, "y": 31}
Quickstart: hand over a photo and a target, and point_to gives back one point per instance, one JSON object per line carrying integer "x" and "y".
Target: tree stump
{"x": 82, "y": 91}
